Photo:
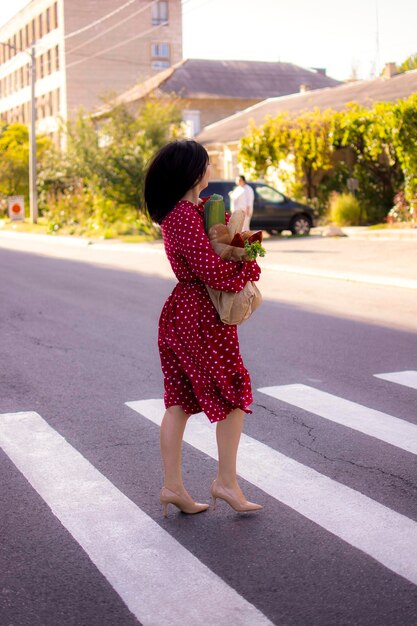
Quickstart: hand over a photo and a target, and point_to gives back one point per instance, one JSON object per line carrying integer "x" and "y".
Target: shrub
{"x": 402, "y": 211}
{"x": 90, "y": 213}
{"x": 345, "y": 210}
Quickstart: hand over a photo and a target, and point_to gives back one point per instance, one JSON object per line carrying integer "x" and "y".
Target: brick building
{"x": 85, "y": 49}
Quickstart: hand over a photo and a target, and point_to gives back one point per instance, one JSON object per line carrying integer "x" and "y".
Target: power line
{"x": 103, "y": 18}
{"x": 117, "y": 45}
{"x": 193, "y": 7}
{"x": 126, "y": 19}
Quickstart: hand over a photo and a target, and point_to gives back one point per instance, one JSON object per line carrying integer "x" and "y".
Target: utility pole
{"x": 377, "y": 57}
{"x": 33, "y": 195}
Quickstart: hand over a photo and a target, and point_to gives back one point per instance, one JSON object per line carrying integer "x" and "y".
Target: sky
{"x": 347, "y": 37}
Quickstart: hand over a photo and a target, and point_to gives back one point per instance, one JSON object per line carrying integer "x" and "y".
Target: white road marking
{"x": 373, "y": 279}
{"x": 374, "y": 423}
{"x": 159, "y": 580}
{"x": 408, "y": 378}
{"x": 389, "y": 537}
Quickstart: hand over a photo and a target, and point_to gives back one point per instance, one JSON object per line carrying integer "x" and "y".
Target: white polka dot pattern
{"x": 200, "y": 357}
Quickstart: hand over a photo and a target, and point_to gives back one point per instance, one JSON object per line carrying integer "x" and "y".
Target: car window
{"x": 269, "y": 194}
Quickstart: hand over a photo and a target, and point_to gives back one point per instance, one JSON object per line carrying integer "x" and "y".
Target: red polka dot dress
{"x": 200, "y": 357}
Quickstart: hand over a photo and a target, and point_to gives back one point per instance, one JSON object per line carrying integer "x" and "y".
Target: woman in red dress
{"x": 200, "y": 357}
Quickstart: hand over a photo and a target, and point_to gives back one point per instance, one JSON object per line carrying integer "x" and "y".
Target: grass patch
{"x": 40, "y": 228}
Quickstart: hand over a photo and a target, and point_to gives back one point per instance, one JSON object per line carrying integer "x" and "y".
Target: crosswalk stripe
{"x": 388, "y": 428}
{"x": 147, "y": 567}
{"x": 408, "y": 378}
{"x": 385, "y": 535}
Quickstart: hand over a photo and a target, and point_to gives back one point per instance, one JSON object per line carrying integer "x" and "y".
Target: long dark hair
{"x": 175, "y": 169}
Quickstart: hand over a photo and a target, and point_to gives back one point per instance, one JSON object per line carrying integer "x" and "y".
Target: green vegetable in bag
{"x": 214, "y": 211}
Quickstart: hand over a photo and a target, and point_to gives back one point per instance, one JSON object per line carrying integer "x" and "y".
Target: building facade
{"x": 86, "y": 50}
{"x": 208, "y": 90}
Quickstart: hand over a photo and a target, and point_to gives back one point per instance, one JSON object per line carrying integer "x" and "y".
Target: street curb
{"x": 362, "y": 232}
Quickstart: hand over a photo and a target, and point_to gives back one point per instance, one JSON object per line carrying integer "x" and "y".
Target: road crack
{"x": 372, "y": 468}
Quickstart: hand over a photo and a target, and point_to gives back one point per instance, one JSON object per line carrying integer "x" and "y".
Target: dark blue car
{"x": 272, "y": 211}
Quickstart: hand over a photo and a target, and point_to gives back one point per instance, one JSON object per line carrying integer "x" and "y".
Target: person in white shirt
{"x": 242, "y": 197}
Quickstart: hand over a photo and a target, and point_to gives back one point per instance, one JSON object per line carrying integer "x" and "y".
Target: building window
{"x": 192, "y": 122}
{"x": 49, "y": 62}
{"x": 160, "y": 50}
{"x": 160, "y": 65}
{"x": 56, "y": 58}
{"x": 33, "y": 33}
{"x": 160, "y": 56}
{"x": 160, "y": 12}
{"x": 56, "y": 101}
{"x": 56, "y": 15}
{"x": 48, "y": 19}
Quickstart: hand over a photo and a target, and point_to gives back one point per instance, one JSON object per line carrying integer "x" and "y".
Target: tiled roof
{"x": 365, "y": 93}
{"x": 202, "y": 78}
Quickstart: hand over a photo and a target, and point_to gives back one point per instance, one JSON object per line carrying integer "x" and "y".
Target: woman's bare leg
{"x": 225, "y": 486}
{"x": 228, "y": 433}
{"x": 172, "y": 432}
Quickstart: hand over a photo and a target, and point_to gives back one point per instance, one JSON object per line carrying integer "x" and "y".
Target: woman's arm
{"x": 195, "y": 247}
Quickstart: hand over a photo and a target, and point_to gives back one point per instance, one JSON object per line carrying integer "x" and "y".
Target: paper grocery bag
{"x": 236, "y": 308}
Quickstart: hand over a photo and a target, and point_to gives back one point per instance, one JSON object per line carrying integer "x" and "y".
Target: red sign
{"x": 16, "y": 208}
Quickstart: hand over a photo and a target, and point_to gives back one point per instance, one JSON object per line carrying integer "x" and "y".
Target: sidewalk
{"x": 363, "y": 232}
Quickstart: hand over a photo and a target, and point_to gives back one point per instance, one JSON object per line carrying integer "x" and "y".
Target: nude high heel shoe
{"x": 186, "y": 505}
{"x": 228, "y": 496}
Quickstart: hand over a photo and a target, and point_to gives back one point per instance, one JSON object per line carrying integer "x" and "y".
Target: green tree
{"x": 300, "y": 149}
{"x": 367, "y": 134}
{"x": 14, "y": 159}
{"x": 312, "y": 147}
{"x": 376, "y": 146}
{"x": 98, "y": 180}
{"x": 127, "y": 143}
{"x": 265, "y": 146}
{"x": 409, "y": 64}
{"x": 403, "y": 136}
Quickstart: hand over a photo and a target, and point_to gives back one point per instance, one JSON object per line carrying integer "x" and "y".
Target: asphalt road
{"x": 336, "y": 541}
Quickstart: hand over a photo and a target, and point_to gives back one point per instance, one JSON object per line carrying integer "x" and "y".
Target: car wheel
{"x": 300, "y": 225}
{"x": 273, "y": 231}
